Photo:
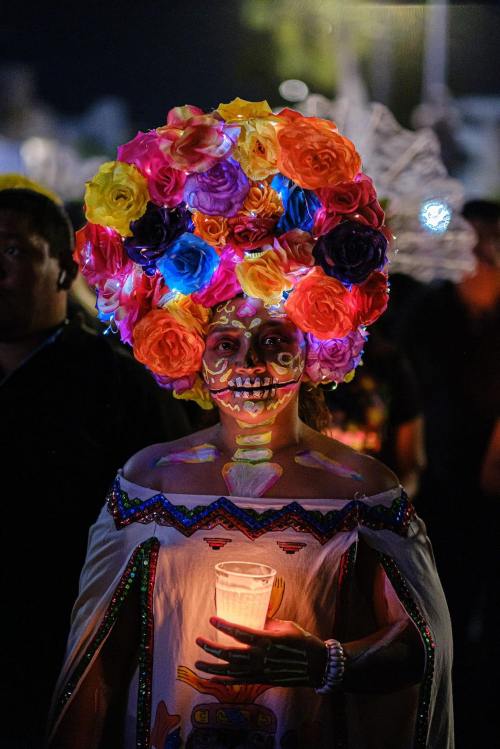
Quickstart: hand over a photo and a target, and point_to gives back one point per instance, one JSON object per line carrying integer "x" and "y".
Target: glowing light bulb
{"x": 435, "y": 215}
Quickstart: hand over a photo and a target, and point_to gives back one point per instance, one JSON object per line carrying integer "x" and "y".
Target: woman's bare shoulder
{"x": 140, "y": 468}
{"x": 377, "y": 477}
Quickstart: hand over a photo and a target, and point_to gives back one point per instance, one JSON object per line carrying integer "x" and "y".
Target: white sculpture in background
{"x": 431, "y": 238}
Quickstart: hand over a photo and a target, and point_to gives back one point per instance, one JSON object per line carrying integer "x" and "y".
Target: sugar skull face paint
{"x": 263, "y": 351}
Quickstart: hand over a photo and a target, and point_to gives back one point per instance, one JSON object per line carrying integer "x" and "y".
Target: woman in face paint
{"x": 259, "y": 459}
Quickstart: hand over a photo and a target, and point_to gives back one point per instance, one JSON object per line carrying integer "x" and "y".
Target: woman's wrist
{"x": 334, "y": 669}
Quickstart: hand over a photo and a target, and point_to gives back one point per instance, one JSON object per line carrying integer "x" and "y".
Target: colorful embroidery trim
{"x": 222, "y": 512}
{"x": 424, "y": 701}
{"x": 142, "y": 565}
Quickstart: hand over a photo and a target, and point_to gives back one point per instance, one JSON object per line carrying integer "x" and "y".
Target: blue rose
{"x": 189, "y": 264}
{"x": 300, "y": 205}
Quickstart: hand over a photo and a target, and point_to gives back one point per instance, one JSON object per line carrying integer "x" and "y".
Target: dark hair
{"x": 485, "y": 210}
{"x": 313, "y": 410}
{"x": 49, "y": 218}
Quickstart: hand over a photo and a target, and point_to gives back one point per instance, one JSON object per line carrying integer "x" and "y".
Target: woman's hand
{"x": 282, "y": 654}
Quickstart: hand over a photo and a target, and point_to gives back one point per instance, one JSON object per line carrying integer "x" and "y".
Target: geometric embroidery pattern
{"x": 290, "y": 547}
{"x": 252, "y": 523}
{"x": 217, "y": 543}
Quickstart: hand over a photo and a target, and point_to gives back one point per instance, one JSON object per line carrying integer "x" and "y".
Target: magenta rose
{"x": 220, "y": 191}
{"x": 223, "y": 285}
{"x": 165, "y": 183}
{"x": 333, "y": 359}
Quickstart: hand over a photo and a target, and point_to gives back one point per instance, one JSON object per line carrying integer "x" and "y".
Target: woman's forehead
{"x": 247, "y": 309}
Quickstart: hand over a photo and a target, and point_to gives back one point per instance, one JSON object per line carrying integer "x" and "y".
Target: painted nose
{"x": 251, "y": 363}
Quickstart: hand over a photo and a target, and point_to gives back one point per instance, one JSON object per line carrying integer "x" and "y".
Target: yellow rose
{"x": 262, "y": 277}
{"x": 258, "y": 149}
{"x": 115, "y": 196}
{"x": 198, "y": 394}
{"x": 239, "y": 110}
{"x": 192, "y": 316}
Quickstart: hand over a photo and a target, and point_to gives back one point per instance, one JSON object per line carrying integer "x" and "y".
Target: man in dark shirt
{"x": 73, "y": 409}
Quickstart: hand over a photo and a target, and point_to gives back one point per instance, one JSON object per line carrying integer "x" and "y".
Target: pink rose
{"x": 100, "y": 254}
{"x": 194, "y": 141}
{"x": 297, "y": 246}
{"x": 333, "y": 359}
{"x": 165, "y": 183}
{"x": 223, "y": 285}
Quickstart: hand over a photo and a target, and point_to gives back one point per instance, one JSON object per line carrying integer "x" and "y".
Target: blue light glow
{"x": 435, "y": 215}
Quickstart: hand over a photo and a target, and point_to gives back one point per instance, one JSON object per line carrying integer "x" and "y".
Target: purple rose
{"x": 351, "y": 251}
{"x": 220, "y": 191}
{"x": 332, "y": 360}
{"x": 154, "y": 232}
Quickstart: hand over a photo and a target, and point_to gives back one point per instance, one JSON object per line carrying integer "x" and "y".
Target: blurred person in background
{"x": 67, "y": 419}
{"x": 453, "y": 340}
{"x": 379, "y": 411}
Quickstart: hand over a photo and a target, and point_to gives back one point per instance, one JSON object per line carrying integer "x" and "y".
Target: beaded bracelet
{"x": 334, "y": 671}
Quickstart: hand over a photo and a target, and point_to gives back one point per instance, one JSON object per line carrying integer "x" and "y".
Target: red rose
{"x": 251, "y": 232}
{"x": 355, "y": 200}
{"x": 371, "y": 298}
{"x": 100, "y": 254}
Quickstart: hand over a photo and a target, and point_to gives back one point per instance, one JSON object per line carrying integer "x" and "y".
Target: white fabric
{"x": 184, "y": 601}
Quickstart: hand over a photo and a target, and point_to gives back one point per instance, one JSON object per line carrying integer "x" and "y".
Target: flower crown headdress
{"x": 236, "y": 201}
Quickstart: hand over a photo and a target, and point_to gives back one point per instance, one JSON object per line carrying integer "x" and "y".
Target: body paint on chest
{"x": 253, "y": 454}
{"x": 199, "y": 454}
{"x": 250, "y": 479}
{"x": 251, "y": 440}
{"x": 314, "y": 459}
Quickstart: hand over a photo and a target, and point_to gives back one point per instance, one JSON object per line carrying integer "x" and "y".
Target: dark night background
{"x": 161, "y": 53}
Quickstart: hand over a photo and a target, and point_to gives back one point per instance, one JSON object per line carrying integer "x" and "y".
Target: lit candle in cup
{"x": 242, "y": 593}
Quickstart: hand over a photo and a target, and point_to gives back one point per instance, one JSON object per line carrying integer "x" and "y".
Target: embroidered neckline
{"x": 253, "y": 523}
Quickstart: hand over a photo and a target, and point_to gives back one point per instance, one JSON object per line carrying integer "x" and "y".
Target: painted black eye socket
{"x": 274, "y": 340}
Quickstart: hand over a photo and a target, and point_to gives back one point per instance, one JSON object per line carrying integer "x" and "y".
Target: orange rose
{"x": 263, "y": 277}
{"x": 371, "y": 298}
{"x": 322, "y": 306}
{"x": 166, "y": 347}
{"x": 313, "y": 154}
{"x": 262, "y": 200}
{"x": 213, "y": 229}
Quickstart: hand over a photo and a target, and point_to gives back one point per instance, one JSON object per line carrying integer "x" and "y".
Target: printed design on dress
{"x": 290, "y": 547}
{"x": 217, "y": 543}
{"x": 253, "y": 524}
{"x": 163, "y": 735}
{"x": 234, "y": 720}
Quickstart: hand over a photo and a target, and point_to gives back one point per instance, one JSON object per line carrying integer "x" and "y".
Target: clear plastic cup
{"x": 242, "y": 593}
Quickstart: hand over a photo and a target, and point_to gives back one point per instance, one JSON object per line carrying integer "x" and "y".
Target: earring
{"x": 62, "y": 278}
